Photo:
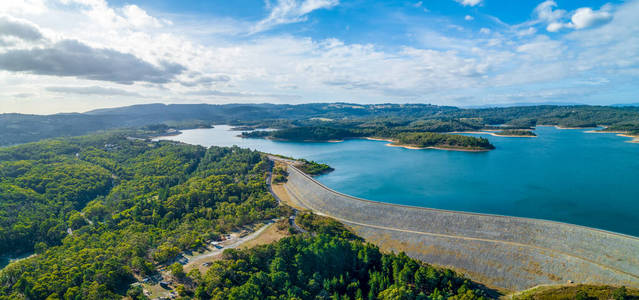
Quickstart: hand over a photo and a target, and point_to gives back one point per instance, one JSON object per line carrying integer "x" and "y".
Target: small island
{"x": 515, "y": 133}
{"x": 431, "y": 140}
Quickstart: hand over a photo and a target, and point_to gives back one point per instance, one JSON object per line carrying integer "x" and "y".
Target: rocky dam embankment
{"x": 503, "y": 252}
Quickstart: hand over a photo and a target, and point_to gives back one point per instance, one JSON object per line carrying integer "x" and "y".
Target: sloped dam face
{"x": 504, "y": 252}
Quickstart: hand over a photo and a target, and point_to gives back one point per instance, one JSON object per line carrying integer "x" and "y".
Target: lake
{"x": 572, "y": 176}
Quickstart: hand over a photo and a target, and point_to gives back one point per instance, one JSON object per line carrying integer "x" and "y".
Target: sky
{"x": 77, "y": 55}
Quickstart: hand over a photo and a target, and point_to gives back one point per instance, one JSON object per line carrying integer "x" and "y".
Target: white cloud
{"x": 291, "y": 11}
{"x": 555, "y": 26}
{"x": 527, "y": 32}
{"x": 468, "y": 18}
{"x": 139, "y": 18}
{"x": 469, "y": 2}
{"x": 585, "y": 17}
{"x": 546, "y": 11}
{"x": 484, "y": 30}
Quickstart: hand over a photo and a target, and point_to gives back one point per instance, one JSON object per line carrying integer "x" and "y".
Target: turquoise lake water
{"x": 571, "y": 176}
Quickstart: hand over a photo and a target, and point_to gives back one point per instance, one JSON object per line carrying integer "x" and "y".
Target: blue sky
{"x": 76, "y": 55}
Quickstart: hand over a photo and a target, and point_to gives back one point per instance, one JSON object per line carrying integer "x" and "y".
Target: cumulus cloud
{"x": 19, "y": 28}
{"x": 74, "y": 58}
{"x": 586, "y": 17}
{"x": 469, "y": 2}
{"x": 583, "y": 17}
{"x": 91, "y": 90}
{"x": 291, "y": 11}
{"x": 468, "y": 18}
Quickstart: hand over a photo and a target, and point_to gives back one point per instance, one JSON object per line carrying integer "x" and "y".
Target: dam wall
{"x": 503, "y": 252}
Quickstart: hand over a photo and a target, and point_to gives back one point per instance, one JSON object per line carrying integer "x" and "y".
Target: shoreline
{"x": 392, "y": 143}
{"x": 303, "y": 141}
{"x": 635, "y": 138}
{"x": 437, "y": 148}
{"x": 489, "y": 132}
{"x": 566, "y": 128}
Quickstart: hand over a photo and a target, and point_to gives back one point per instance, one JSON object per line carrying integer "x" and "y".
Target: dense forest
{"x": 21, "y": 128}
{"x": 100, "y": 210}
{"x": 328, "y": 267}
{"x": 430, "y": 139}
{"x": 309, "y": 134}
{"x": 515, "y": 132}
{"x": 329, "y": 262}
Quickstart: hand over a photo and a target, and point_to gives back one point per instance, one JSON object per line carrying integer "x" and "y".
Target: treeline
{"x": 329, "y": 263}
{"x": 101, "y": 210}
{"x": 430, "y": 139}
{"x": 515, "y": 132}
{"x": 21, "y": 128}
{"x": 314, "y": 168}
{"x": 304, "y": 134}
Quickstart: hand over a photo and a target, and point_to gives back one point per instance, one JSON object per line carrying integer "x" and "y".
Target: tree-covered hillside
{"x": 328, "y": 267}
{"x": 430, "y": 139}
{"x": 100, "y": 210}
{"x": 19, "y": 128}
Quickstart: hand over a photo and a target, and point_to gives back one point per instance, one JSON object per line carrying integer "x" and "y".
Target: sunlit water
{"x": 571, "y": 176}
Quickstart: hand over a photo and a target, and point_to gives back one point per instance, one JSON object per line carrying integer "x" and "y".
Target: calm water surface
{"x": 563, "y": 175}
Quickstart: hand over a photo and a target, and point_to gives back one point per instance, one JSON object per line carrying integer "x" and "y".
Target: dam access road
{"x": 507, "y": 253}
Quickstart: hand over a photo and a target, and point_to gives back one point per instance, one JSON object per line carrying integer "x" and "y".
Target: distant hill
{"x": 22, "y": 128}
{"x": 625, "y": 104}
{"x": 524, "y": 104}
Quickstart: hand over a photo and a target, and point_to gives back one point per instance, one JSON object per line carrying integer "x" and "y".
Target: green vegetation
{"x": 579, "y": 292}
{"x": 516, "y": 132}
{"x": 430, "y": 139}
{"x": 308, "y": 134}
{"x": 327, "y": 265}
{"x": 279, "y": 175}
{"x": 314, "y": 168}
{"x": 312, "y": 134}
{"x": 329, "y": 120}
{"x": 128, "y": 205}
{"x": 314, "y": 223}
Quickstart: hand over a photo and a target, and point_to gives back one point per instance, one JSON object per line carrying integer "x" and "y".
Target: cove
{"x": 570, "y": 176}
